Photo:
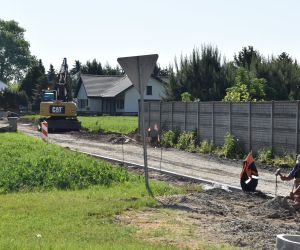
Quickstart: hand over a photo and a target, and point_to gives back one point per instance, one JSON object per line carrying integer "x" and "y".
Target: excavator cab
{"x": 49, "y": 95}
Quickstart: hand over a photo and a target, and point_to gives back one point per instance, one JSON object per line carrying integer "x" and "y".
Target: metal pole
{"x": 161, "y": 149}
{"x": 160, "y": 116}
{"x": 149, "y": 117}
{"x": 123, "y": 150}
{"x": 144, "y": 132}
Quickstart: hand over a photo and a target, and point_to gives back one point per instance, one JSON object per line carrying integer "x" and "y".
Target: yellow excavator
{"x": 58, "y": 111}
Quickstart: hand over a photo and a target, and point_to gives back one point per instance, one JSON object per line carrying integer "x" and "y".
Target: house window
{"x": 82, "y": 103}
{"x": 120, "y": 104}
{"x": 149, "y": 90}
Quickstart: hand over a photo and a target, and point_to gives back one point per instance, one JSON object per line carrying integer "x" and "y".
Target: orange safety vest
{"x": 246, "y": 167}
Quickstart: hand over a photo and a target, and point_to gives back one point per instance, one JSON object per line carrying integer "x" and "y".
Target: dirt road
{"x": 192, "y": 164}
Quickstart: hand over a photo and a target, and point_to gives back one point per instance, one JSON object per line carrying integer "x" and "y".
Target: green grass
{"x": 70, "y": 219}
{"x": 73, "y": 218}
{"x": 82, "y": 219}
{"x": 107, "y": 124}
{"x": 27, "y": 163}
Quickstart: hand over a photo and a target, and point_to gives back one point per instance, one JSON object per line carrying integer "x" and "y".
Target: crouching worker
{"x": 294, "y": 175}
{"x": 249, "y": 174}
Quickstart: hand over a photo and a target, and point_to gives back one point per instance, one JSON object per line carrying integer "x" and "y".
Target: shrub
{"x": 168, "y": 138}
{"x": 187, "y": 141}
{"x": 231, "y": 148}
{"x": 265, "y": 155}
{"x": 206, "y": 147}
{"x": 287, "y": 160}
{"x": 186, "y": 97}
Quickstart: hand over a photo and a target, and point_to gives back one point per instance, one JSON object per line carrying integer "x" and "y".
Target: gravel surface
{"x": 192, "y": 164}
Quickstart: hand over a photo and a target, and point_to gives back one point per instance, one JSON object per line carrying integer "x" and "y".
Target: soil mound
{"x": 201, "y": 203}
{"x": 278, "y": 207}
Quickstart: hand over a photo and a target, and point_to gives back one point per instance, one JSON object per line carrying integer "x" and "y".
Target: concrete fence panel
{"x": 256, "y": 125}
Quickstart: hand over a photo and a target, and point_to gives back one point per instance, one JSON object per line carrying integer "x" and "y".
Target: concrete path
{"x": 191, "y": 164}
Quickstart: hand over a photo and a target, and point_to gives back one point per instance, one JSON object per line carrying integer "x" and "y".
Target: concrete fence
{"x": 256, "y": 125}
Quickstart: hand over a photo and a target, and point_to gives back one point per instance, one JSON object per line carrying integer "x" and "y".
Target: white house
{"x": 2, "y": 85}
{"x": 114, "y": 94}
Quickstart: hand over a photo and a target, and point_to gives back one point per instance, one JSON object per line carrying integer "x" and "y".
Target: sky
{"x": 105, "y": 30}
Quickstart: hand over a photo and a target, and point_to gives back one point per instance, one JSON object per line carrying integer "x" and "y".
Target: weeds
{"x": 168, "y": 138}
{"x": 265, "y": 155}
{"x": 187, "y": 141}
{"x": 231, "y": 147}
{"x": 206, "y": 147}
{"x": 286, "y": 160}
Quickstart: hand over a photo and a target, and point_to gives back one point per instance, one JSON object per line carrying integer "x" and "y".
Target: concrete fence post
{"x": 213, "y": 123}
{"x": 249, "y": 127}
{"x": 230, "y": 118}
{"x": 185, "y": 115}
{"x": 198, "y": 123}
{"x": 272, "y": 124}
{"x": 172, "y": 107}
{"x": 297, "y": 127}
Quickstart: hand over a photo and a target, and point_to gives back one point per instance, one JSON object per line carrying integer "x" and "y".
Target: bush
{"x": 231, "y": 148}
{"x": 168, "y": 138}
{"x": 206, "y": 147}
{"x": 187, "y": 141}
{"x": 11, "y": 98}
{"x": 287, "y": 160}
{"x": 265, "y": 155}
{"x": 186, "y": 97}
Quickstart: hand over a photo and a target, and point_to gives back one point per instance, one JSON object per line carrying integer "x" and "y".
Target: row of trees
{"x": 205, "y": 76}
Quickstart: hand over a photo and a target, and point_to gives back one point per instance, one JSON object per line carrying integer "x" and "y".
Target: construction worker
{"x": 294, "y": 175}
{"x": 249, "y": 174}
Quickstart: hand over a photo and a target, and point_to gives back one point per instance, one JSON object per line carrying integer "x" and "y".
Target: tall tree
{"x": 76, "y": 67}
{"x": 51, "y": 77}
{"x": 248, "y": 58}
{"x": 201, "y": 74}
{"x": 34, "y": 81}
{"x": 246, "y": 87}
{"x": 159, "y": 72}
{"x": 283, "y": 77}
{"x": 15, "y": 55}
{"x": 75, "y": 73}
{"x": 93, "y": 68}
{"x": 111, "y": 71}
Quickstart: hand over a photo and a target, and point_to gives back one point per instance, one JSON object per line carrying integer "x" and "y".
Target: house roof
{"x": 104, "y": 86}
{"x": 2, "y": 85}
